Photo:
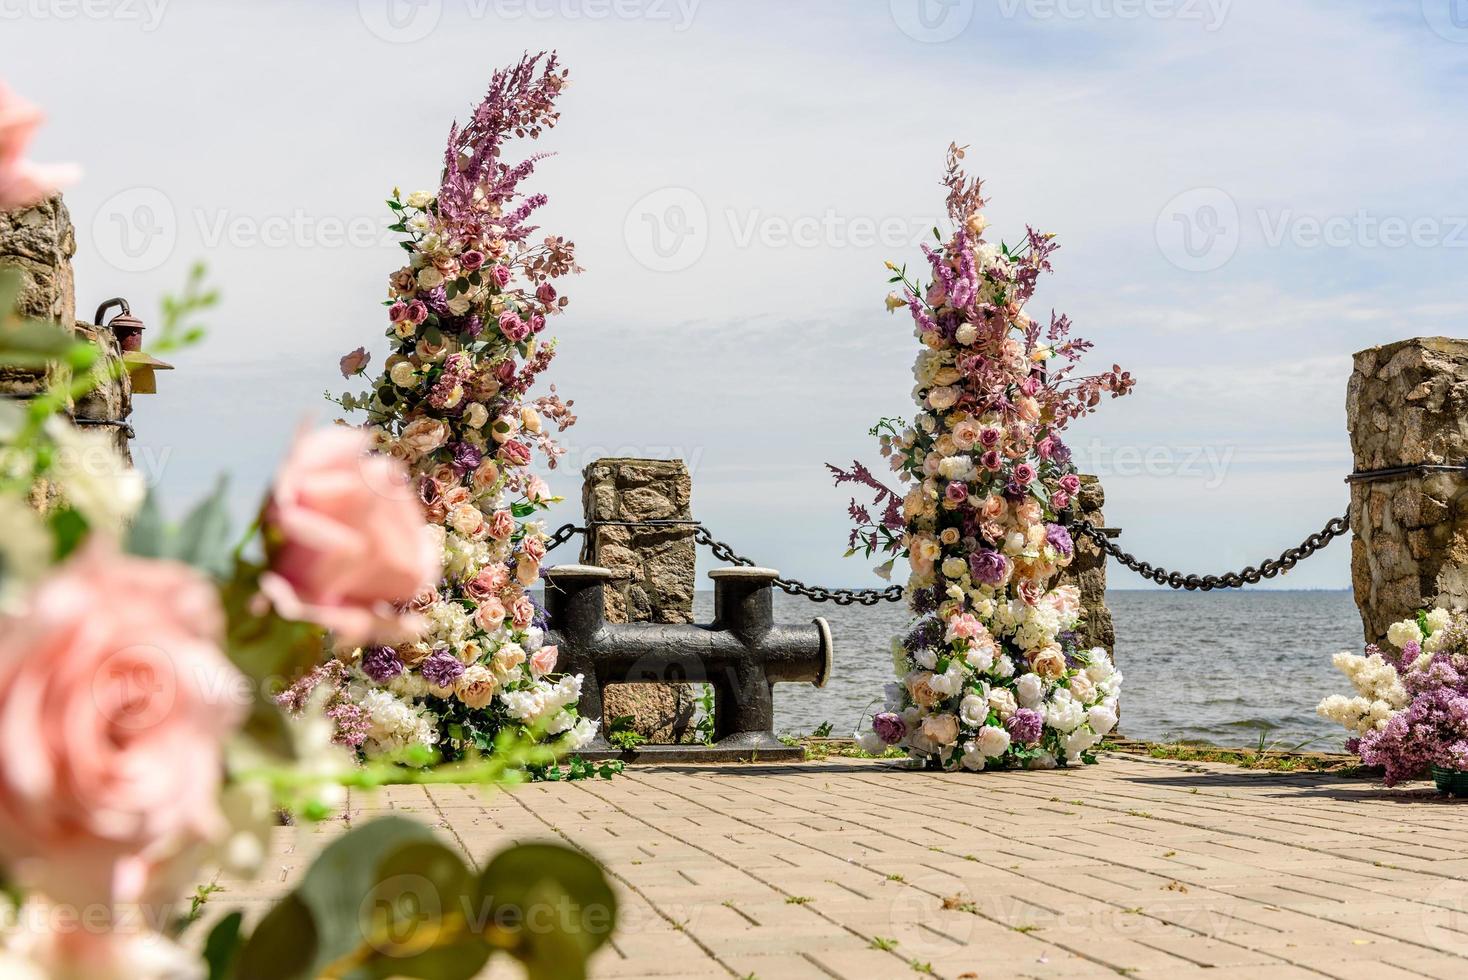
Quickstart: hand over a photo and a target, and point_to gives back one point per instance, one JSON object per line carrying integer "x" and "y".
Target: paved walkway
{"x": 844, "y": 868}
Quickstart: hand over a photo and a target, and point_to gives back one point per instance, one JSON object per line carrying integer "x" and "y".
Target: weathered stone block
{"x": 1406, "y": 404}
{"x": 1088, "y": 571}
{"x": 657, "y": 563}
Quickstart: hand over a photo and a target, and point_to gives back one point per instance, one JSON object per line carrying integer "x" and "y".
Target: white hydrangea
{"x": 1379, "y": 693}
{"x": 448, "y": 625}
{"x": 393, "y": 724}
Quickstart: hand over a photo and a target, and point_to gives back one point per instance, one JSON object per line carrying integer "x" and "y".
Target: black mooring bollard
{"x": 743, "y": 653}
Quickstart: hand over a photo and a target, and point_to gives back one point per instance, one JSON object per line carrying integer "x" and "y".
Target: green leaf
{"x": 147, "y": 536}
{"x": 203, "y": 540}
{"x": 338, "y": 888}
{"x": 223, "y": 946}
{"x": 282, "y": 946}
{"x": 68, "y": 530}
{"x": 548, "y": 906}
{"x": 522, "y": 509}
{"x": 414, "y": 917}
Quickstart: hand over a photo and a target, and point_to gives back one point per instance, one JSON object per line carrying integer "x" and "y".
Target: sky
{"x": 1246, "y": 193}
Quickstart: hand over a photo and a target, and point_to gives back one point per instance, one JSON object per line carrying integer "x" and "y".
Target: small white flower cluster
{"x": 394, "y": 723}
{"x": 1379, "y": 690}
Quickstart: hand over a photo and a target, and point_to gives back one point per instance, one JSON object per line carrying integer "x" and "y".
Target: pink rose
{"x": 114, "y": 701}
{"x": 501, "y": 275}
{"x": 1060, "y": 500}
{"x": 1045, "y": 448}
{"x": 513, "y": 327}
{"x": 23, "y": 183}
{"x": 515, "y": 453}
{"x": 398, "y": 312}
{"x": 471, "y": 260}
{"x": 501, "y": 525}
{"x": 527, "y": 572}
{"x": 546, "y": 293}
{"x": 543, "y": 661}
{"x": 1070, "y": 483}
{"x": 534, "y": 548}
{"x": 956, "y": 492}
{"x": 346, "y": 540}
{"x": 536, "y": 490}
{"x": 522, "y": 612}
{"x": 1065, "y": 600}
{"x": 485, "y": 584}
{"x": 356, "y": 362}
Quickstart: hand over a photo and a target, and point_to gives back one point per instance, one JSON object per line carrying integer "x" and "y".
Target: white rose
{"x": 1079, "y": 742}
{"x": 980, "y": 658}
{"x": 954, "y": 567}
{"x": 942, "y": 684}
{"x": 1102, "y": 719}
{"x": 403, "y": 375}
{"x": 869, "y": 743}
{"x": 419, "y": 199}
{"x": 476, "y": 415}
{"x": 1014, "y": 543}
{"x": 1030, "y": 689}
{"x": 973, "y": 759}
{"x": 925, "y": 658}
{"x": 973, "y": 710}
{"x": 430, "y": 278}
{"x": 1064, "y": 713}
{"x": 993, "y": 741}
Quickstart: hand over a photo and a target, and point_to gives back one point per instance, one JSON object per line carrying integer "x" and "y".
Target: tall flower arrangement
{"x": 466, "y": 315}
{"x": 989, "y": 673}
{"x": 1410, "y": 710}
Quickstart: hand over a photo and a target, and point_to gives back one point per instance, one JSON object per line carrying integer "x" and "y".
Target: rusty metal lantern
{"x": 127, "y": 328}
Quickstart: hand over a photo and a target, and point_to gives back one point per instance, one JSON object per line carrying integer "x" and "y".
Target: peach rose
{"x": 114, "y": 701}
{"x": 466, "y": 520}
{"x": 522, "y": 612}
{"x": 476, "y": 686}
{"x": 1066, "y": 601}
{"x": 490, "y": 615}
{"x": 508, "y": 658}
{"x": 942, "y": 729}
{"x": 543, "y": 661}
{"x": 423, "y": 436}
{"x": 456, "y": 497}
{"x": 346, "y": 540}
{"x": 527, "y": 572}
{"x": 966, "y": 435}
{"x": 922, "y": 694}
{"x": 1049, "y": 663}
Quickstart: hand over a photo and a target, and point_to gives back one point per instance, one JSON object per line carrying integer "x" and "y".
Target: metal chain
{"x": 815, "y": 593}
{"x": 722, "y": 551}
{"x": 1268, "y": 568}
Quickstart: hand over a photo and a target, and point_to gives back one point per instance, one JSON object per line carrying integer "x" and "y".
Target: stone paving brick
{"x": 1136, "y": 867}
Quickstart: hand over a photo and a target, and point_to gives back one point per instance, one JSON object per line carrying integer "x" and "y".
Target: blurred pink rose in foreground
{"x": 347, "y": 540}
{"x": 355, "y": 362}
{"x": 23, "y": 183}
{"x": 114, "y": 700}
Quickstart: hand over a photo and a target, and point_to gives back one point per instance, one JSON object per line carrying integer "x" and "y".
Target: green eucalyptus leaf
{"x": 204, "y": 538}
{"x": 68, "y": 530}
{"x": 339, "y": 888}
{"x": 223, "y": 946}
{"x": 147, "y": 536}
{"x": 282, "y": 946}
{"x": 549, "y": 906}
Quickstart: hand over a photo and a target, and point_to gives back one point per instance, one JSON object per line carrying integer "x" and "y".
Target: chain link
{"x": 1268, "y": 568}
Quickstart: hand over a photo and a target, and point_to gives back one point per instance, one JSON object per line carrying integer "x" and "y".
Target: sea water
{"x": 1231, "y": 668}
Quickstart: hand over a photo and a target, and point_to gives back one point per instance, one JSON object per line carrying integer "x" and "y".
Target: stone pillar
{"x": 1088, "y": 571}
{"x": 1407, "y": 404}
{"x": 41, "y": 242}
{"x": 657, "y": 567}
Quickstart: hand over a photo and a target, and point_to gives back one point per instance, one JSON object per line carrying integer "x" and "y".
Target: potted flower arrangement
{"x": 989, "y": 674}
{"x": 1409, "y": 714}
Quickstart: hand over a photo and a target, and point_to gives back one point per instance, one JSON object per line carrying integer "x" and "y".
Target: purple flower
{"x": 473, "y": 327}
{"x": 381, "y": 664}
{"x": 1060, "y": 540}
{"x": 441, "y": 669}
{"x": 890, "y": 728}
{"x": 465, "y": 457}
{"x": 1025, "y": 726}
{"x": 989, "y": 567}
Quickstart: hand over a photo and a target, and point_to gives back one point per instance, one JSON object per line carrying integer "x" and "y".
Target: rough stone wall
{"x": 41, "y": 242}
{"x": 1088, "y": 571}
{"x": 1407, "y": 403}
{"x": 658, "y": 567}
